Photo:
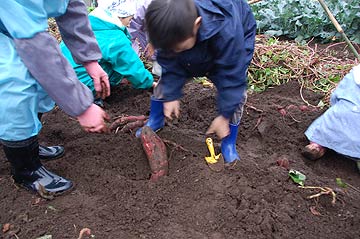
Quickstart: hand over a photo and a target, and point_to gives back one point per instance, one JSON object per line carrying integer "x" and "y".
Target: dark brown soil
{"x": 115, "y": 199}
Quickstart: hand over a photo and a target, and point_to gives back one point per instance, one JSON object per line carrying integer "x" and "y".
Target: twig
{"x": 339, "y": 28}
{"x": 323, "y": 190}
{"x": 254, "y": 1}
{"x": 354, "y": 188}
{"x": 253, "y": 108}
{"x": 117, "y": 130}
{"x": 166, "y": 141}
{"x": 302, "y": 97}
{"x": 298, "y": 121}
{"x": 258, "y": 121}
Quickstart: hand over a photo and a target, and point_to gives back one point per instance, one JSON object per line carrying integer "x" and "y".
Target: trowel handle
{"x": 210, "y": 145}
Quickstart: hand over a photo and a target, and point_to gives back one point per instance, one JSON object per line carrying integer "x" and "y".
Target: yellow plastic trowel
{"x": 215, "y": 162}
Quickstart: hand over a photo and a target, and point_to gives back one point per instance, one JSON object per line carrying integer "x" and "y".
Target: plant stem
{"x": 339, "y": 28}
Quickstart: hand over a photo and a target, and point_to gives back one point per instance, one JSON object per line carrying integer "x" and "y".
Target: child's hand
{"x": 172, "y": 107}
{"x": 219, "y": 126}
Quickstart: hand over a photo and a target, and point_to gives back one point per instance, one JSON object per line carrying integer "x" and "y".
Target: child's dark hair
{"x": 169, "y": 22}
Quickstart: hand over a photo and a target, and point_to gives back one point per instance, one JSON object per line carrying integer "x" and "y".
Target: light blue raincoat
{"x": 339, "y": 127}
{"x": 24, "y": 46}
{"x": 22, "y": 97}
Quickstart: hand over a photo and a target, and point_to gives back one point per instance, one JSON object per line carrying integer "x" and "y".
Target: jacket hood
{"x": 213, "y": 17}
{"x": 109, "y": 21}
{"x": 100, "y": 21}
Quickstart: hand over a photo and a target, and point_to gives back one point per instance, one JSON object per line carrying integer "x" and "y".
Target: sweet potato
{"x": 132, "y": 125}
{"x": 155, "y": 151}
{"x": 123, "y": 120}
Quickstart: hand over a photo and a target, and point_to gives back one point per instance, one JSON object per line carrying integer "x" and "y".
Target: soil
{"x": 114, "y": 197}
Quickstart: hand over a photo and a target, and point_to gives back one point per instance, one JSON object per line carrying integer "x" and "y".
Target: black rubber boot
{"x": 27, "y": 169}
{"x": 50, "y": 152}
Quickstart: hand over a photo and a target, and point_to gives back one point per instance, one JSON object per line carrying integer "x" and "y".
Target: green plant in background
{"x": 304, "y": 19}
{"x": 90, "y": 9}
{"x": 272, "y": 71}
{"x": 277, "y": 62}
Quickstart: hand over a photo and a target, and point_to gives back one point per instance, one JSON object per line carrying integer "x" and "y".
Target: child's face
{"x": 126, "y": 20}
{"x": 185, "y": 45}
{"x": 189, "y": 42}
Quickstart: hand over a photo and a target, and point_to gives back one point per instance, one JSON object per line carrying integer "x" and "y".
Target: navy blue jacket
{"x": 223, "y": 52}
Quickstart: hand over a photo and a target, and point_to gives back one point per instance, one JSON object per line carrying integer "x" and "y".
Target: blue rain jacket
{"x": 223, "y": 52}
{"x": 339, "y": 127}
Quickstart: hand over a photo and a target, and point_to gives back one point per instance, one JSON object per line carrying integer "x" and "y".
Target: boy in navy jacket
{"x": 212, "y": 38}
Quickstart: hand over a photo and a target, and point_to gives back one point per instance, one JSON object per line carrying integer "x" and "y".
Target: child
{"x": 33, "y": 74}
{"x": 139, "y": 38}
{"x": 137, "y": 27}
{"x": 202, "y": 38}
{"x": 339, "y": 127}
{"x": 109, "y": 22}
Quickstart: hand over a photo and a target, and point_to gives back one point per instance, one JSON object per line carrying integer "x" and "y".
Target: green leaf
{"x": 297, "y": 177}
{"x": 340, "y": 183}
{"x": 304, "y": 19}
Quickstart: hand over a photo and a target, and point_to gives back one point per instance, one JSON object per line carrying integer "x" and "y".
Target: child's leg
{"x": 156, "y": 119}
{"x": 236, "y": 118}
{"x": 228, "y": 144}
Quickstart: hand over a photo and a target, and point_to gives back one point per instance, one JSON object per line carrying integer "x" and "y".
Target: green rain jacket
{"x": 119, "y": 60}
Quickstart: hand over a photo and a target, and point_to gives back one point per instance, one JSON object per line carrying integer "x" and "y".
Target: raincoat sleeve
{"x": 77, "y": 34}
{"x": 234, "y": 48}
{"x": 173, "y": 78}
{"x": 40, "y": 53}
{"x": 126, "y": 62}
{"x": 30, "y": 18}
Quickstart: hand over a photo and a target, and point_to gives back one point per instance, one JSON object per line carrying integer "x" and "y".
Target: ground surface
{"x": 256, "y": 199}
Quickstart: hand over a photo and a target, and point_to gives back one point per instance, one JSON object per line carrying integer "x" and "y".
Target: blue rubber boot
{"x": 156, "y": 119}
{"x": 228, "y": 145}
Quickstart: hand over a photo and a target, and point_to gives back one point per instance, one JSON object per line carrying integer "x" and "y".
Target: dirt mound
{"x": 115, "y": 199}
